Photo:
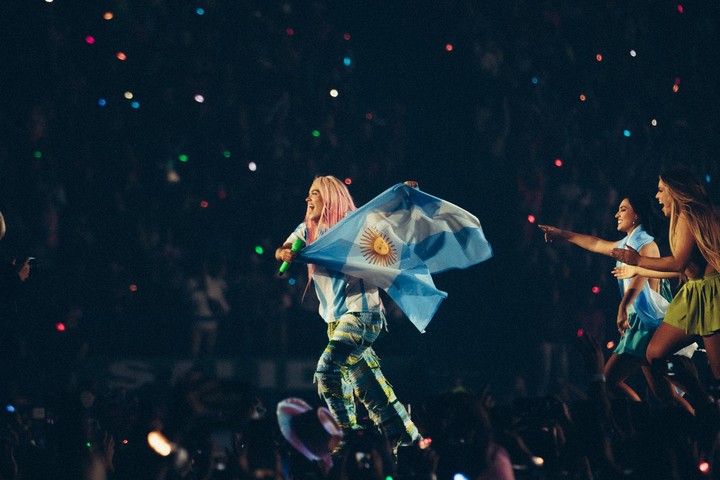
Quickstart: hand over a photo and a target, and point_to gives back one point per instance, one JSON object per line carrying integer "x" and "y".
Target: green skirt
{"x": 696, "y": 307}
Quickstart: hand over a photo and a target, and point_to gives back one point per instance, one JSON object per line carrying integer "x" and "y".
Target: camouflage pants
{"x": 349, "y": 369}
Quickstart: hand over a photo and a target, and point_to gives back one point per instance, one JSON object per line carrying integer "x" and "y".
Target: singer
{"x": 348, "y": 368}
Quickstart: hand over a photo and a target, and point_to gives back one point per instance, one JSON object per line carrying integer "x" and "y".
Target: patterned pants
{"x": 350, "y": 368}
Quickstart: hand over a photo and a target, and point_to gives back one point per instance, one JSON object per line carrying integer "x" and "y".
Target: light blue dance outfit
{"x": 648, "y": 310}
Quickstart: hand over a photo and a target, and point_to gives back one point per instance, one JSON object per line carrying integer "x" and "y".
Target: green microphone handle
{"x": 296, "y": 247}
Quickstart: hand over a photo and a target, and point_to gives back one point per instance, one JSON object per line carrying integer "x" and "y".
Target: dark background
{"x": 85, "y": 187}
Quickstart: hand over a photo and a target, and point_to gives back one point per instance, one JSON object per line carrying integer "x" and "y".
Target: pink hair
{"x": 337, "y": 203}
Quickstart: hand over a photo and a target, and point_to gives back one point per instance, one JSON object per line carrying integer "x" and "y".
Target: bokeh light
{"x": 531, "y": 218}
{"x": 90, "y": 40}
{"x": 121, "y": 56}
{"x": 252, "y": 166}
{"x": 334, "y": 93}
{"x": 108, "y": 15}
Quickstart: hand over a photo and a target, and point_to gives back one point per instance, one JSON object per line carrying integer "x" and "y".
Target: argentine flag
{"x": 397, "y": 241}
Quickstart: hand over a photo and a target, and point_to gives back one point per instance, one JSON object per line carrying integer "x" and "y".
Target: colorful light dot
{"x": 368, "y": 116}
{"x": 677, "y": 80}
{"x": 610, "y": 345}
{"x": 135, "y": 104}
{"x": 200, "y": 11}
{"x": 183, "y": 158}
{"x": 449, "y": 47}
{"x": 348, "y": 181}
{"x": 227, "y": 154}
{"x": 102, "y": 102}
{"x": 90, "y": 40}
{"x": 595, "y": 289}
{"x": 633, "y": 53}
{"x": 10, "y": 409}
{"x": 204, "y": 204}
{"x": 534, "y": 80}
{"x": 680, "y": 9}
{"x": 704, "y": 467}
{"x": 707, "y": 178}
{"x": 259, "y": 250}
{"x": 199, "y": 98}
{"x": 675, "y": 88}
{"x": 347, "y": 61}
{"x": 316, "y": 133}
{"x": 292, "y": 281}
{"x": 531, "y": 218}
{"x": 252, "y": 166}
{"x": 653, "y": 122}
{"x": 133, "y": 287}
{"x": 599, "y": 57}
{"x": 334, "y": 93}
{"x": 108, "y": 15}
{"x": 128, "y": 95}
{"x": 37, "y": 154}
{"x": 558, "y": 162}
{"x": 580, "y": 332}
{"x": 346, "y": 37}
{"x": 626, "y": 133}
{"x": 60, "y": 327}
{"x": 121, "y": 56}
{"x": 290, "y": 31}
{"x": 582, "y": 97}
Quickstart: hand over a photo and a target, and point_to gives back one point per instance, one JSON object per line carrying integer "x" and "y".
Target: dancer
{"x": 352, "y": 308}
{"x": 643, "y": 301}
{"x": 694, "y": 240}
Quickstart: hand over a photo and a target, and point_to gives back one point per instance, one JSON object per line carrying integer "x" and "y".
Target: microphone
{"x": 296, "y": 246}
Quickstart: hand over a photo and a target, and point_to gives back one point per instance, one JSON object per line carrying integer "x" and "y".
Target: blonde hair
{"x": 690, "y": 199}
{"x": 3, "y": 228}
{"x": 337, "y": 203}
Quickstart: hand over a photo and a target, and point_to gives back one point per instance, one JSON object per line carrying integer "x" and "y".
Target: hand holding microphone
{"x": 296, "y": 247}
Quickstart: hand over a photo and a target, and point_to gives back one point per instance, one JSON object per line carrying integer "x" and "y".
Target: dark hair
{"x": 641, "y": 204}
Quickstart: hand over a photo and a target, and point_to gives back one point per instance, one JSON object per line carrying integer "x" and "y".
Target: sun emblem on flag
{"x": 377, "y": 248}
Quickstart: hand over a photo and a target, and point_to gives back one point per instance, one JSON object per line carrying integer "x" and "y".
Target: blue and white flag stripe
{"x": 396, "y": 241}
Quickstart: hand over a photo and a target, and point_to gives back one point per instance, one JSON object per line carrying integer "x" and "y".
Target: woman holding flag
{"x": 353, "y": 310}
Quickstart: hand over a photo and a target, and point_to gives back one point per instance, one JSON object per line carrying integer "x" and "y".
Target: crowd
{"x": 215, "y": 429}
{"x": 151, "y": 223}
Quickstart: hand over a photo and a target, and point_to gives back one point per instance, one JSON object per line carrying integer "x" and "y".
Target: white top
{"x": 337, "y": 292}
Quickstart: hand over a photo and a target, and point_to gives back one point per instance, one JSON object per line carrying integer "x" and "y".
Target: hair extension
{"x": 691, "y": 200}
